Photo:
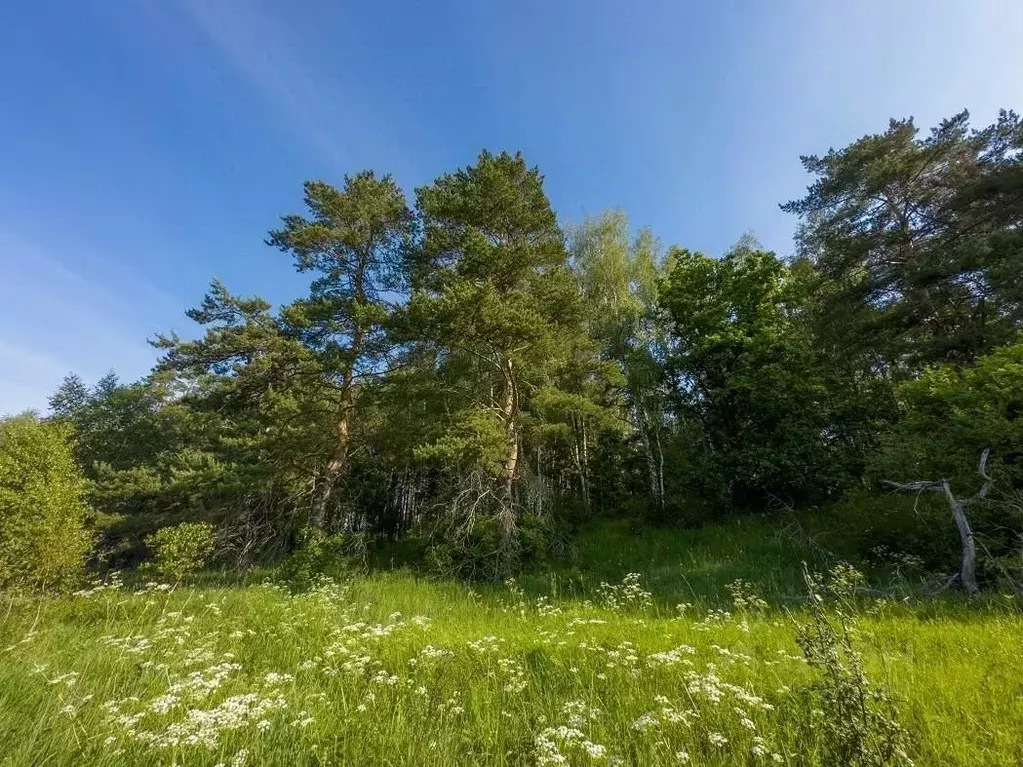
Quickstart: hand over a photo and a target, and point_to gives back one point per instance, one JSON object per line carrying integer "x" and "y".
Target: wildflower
{"x": 274, "y": 678}
{"x": 164, "y": 703}
{"x": 593, "y": 749}
{"x": 644, "y": 723}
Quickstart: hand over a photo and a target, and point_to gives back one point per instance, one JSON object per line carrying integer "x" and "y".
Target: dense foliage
{"x": 181, "y": 550}
{"x": 470, "y": 377}
{"x": 43, "y": 540}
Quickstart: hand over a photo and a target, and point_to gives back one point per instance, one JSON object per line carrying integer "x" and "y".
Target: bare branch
{"x": 917, "y": 487}
{"x": 944, "y": 586}
{"x": 967, "y": 569}
{"x": 988, "y": 480}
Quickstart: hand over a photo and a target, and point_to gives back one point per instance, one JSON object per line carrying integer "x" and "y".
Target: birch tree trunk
{"x": 580, "y": 454}
{"x": 654, "y": 460}
{"x": 509, "y": 406}
{"x": 660, "y": 468}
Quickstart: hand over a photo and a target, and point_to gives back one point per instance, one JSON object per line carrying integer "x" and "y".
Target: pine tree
{"x": 496, "y": 303}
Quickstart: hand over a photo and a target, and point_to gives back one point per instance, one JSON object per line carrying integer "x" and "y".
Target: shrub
{"x": 482, "y": 554}
{"x": 950, "y": 415}
{"x": 322, "y": 554}
{"x": 181, "y": 550}
{"x": 866, "y": 523}
{"x": 43, "y": 540}
{"x": 855, "y": 721}
{"x": 473, "y": 555}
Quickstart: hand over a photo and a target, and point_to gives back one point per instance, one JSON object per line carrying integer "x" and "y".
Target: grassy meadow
{"x": 390, "y": 667}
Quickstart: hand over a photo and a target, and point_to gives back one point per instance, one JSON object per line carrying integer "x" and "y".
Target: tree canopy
{"x": 473, "y": 374}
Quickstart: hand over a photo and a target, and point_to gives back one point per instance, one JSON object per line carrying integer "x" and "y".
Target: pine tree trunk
{"x": 338, "y": 464}
{"x": 322, "y": 492}
{"x": 335, "y": 468}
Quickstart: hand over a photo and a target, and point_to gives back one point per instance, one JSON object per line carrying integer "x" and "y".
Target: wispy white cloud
{"x": 254, "y": 44}
{"x": 57, "y": 320}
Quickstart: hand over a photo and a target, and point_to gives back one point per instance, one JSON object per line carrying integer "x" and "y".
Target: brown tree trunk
{"x": 330, "y": 476}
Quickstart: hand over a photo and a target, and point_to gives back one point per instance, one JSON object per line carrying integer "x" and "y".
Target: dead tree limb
{"x": 968, "y": 565}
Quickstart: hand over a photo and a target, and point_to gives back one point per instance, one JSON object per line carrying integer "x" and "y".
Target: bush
{"x": 322, "y": 554}
{"x": 866, "y": 522}
{"x": 181, "y": 550}
{"x": 482, "y": 554}
{"x": 43, "y": 540}
{"x": 856, "y": 722}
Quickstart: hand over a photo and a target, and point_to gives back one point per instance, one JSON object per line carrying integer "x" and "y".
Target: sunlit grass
{"x": 391, "y": 668}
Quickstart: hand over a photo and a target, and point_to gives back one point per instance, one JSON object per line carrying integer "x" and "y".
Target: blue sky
{"x": 147, "y": 146}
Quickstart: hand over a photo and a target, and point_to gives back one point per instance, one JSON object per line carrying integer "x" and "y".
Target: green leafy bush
{"x": 950, "y": 414}
{"x": 322, "y": 554}
{"x": 181, "y": 550}
{"x": 866, "y": 521}
{"x": 43, "y": 540}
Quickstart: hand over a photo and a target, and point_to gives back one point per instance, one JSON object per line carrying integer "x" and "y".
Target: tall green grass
{"x": 395, "y": 668}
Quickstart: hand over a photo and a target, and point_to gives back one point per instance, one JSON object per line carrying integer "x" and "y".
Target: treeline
{"x": 468, "y": 375}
